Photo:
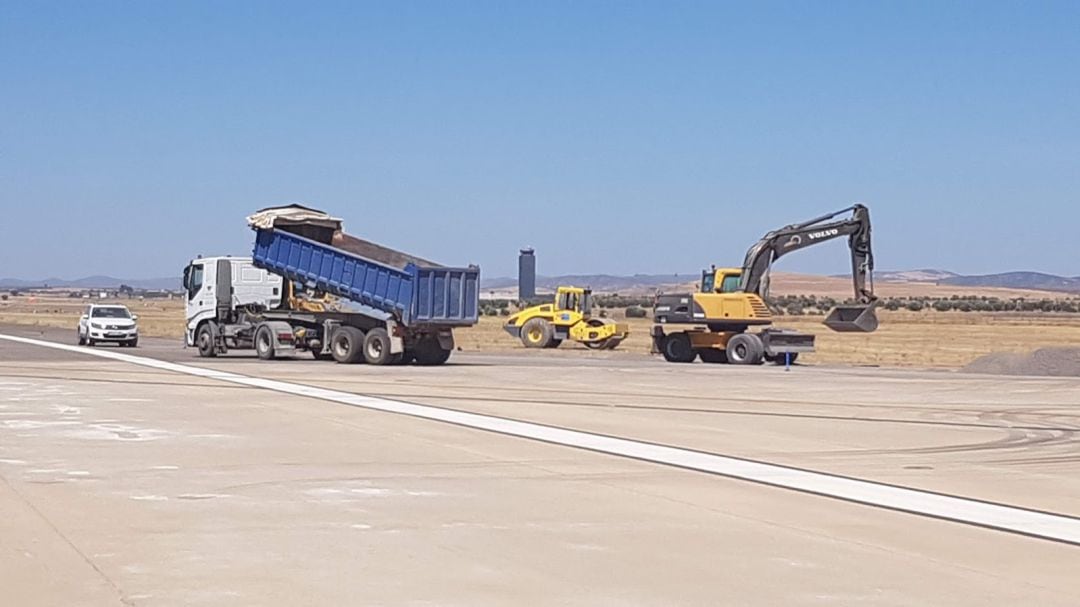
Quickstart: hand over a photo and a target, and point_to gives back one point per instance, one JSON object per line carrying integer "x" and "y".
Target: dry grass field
{"x": 906, "y": 339}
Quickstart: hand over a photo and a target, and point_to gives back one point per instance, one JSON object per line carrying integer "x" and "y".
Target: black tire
{"x": 377, "y": 347}
{"x": 82, "y": 340}
{"x": 204, "y": 341}
{"x": 678, "y": 349}
{"x": 90, "y": 343}
{"x": 428, "y": 352}
{"x": 713, "y": 355}
{"x": 554, "y": 343}
{"x": 347, "y": 345}
{"x": 745, "y": 349}
{"x": 780, "y": 359}
{"x": 321, "y": 356}
{"x": 264, "y": 342}
{"x": 537, "y": 333}
{"x": 131, "y": 343}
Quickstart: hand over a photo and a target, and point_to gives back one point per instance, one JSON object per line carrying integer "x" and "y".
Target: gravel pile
{"x": 1055, "y": 362}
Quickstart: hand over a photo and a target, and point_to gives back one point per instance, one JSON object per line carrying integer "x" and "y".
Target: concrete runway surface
{"x": 572, "y": 479}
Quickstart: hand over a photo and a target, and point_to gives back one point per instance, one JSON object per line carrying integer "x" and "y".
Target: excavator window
{"x": 730, "y": 284}
{"x": 567, "y": 301}
{"x": 708, "y": 281}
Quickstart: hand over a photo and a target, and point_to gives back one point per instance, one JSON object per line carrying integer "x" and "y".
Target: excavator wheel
{"x": 678, "y": 349}
{"x": 537, "y": 333}
{"x": 745, "y": 349}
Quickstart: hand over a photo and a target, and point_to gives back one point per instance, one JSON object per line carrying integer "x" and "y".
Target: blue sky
{"x": 614, "y": 137}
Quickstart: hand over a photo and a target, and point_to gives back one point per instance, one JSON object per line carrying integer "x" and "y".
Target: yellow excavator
{"x": 731, "y": 300}
{"x": 569, "y": 316}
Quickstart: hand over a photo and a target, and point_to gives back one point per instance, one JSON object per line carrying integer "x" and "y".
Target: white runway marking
{"x": 1011, "y": 519}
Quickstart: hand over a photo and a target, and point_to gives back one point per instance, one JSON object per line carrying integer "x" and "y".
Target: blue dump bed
{"x": 415, "y": 295}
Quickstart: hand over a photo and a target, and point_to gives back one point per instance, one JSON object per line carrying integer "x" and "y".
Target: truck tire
{"x": 347, "y": 345}
{"x": 377, "y": 347}
{"x": 204, "y": 341}
{"x": 713, "y": 355}
{"x": 428, "y": 352}
{"x": 745, "y": 349}
{"x": 678, "y": 349}
{"x": 82, "y": 340}
{"x": 264, "y": 342}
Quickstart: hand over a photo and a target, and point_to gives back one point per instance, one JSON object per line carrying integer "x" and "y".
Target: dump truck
{"x": 569, "y": 316}
{"x": 309, "y": 287}
{"x": 731, "y": 301}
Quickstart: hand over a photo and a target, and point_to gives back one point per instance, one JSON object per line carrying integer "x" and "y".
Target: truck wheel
{"x": 428, "y": 352}
{"x": 347, "y": 345}
{"x": 745, "y": 349}
{"x": 713, "y": 355}
{"x": 264, "y": 342}
{"x": 537, "y": 333}
{"x": 204, "y": 340}
{"x": 377, "y": 347}
{"x": 678, "y": 349}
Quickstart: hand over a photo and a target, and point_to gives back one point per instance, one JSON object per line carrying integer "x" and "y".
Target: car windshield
{"x": 111, "y": 313}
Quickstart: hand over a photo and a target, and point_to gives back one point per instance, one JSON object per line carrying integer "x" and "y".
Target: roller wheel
{"x": 537, "y": 333}
{"x": 678, "y": 349}
{"x": 347, "y": 345}
{"x": 745, "y": 349}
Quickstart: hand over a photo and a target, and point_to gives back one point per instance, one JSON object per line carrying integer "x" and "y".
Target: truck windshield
{"x": 195, "y": 280}
{"x": 111, "y": 313}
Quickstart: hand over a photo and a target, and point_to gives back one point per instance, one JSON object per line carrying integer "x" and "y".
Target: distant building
{"x": 526, "y": 275}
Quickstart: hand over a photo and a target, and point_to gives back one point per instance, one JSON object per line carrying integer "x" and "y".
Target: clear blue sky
{"x": 614, "y": 137}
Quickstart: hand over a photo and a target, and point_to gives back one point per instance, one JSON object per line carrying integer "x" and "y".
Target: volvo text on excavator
{"x": 732, "y": 300}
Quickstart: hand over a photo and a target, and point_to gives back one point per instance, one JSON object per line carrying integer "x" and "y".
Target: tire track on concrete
{"x": 1044, "y": 525}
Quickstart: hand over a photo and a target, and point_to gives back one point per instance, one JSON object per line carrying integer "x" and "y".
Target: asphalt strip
{"x": 1002, "y": 517}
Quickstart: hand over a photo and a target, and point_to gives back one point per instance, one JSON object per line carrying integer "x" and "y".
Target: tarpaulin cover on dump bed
{"x": 321, "y": 227}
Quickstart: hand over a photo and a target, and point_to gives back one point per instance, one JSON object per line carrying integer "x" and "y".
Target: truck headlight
{"x": 96, "y": 325}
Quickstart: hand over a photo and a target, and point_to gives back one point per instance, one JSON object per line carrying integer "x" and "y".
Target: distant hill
{"x": 910, "y": 275}
{"x": 93, "y": 282}
{"x": 1018, "y": 280}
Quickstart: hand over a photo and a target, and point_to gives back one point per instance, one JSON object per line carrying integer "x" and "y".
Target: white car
{"x": 108, "y": 323}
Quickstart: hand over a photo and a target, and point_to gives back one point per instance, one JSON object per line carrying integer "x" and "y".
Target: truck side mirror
{"x": 134, "y": 317}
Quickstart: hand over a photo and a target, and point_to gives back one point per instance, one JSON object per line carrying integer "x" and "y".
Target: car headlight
{"x": 96, "y": 325}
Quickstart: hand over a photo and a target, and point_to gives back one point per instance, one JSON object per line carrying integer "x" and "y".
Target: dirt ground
{"x": 905, "y": 339}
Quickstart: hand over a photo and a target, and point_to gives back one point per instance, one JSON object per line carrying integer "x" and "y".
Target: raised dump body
{"x": 414, "y": 295}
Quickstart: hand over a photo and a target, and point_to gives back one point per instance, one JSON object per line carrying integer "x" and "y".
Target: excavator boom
{"x": 858, "y": 317}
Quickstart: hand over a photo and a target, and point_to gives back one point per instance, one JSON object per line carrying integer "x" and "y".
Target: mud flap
{"x": 855, "y": 318}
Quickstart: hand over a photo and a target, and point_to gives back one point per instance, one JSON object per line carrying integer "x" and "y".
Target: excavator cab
{"x": 721, "y": 280}
{"x": 574, "y": 299}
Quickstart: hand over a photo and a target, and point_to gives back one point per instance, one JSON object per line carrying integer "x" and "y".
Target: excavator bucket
{"x": 853, "y": 318}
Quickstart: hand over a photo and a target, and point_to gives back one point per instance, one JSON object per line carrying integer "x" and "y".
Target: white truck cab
{"x": 218, "y": 286}
{"x": 108, "y": 323}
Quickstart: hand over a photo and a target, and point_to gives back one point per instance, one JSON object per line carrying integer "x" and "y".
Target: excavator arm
{"x": 759, "y": 259}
